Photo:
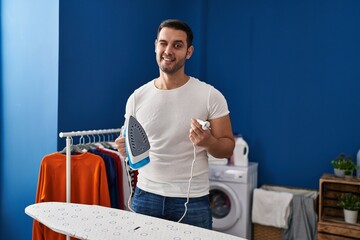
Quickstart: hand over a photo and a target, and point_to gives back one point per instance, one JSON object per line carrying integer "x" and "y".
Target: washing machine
{"x": 231, "y": 190}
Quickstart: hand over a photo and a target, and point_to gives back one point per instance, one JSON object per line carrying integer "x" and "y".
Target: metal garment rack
{"x": 69, "y": 143}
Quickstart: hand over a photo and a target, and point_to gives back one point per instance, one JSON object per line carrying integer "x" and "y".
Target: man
{"x": 175, "y": 184}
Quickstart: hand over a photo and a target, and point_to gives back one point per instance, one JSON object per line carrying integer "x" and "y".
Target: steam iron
{"x": 137, "y": 144}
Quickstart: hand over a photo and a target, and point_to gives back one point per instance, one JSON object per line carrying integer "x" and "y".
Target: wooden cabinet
{"x": 331, "y": 225}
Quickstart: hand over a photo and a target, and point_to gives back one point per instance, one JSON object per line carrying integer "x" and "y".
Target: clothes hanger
{"x": 111, "y": 141}
{"x": 91, "y": 143}
{"x": 82, "y": 145}
{"x": 104, "y": 142}
{"x": 74, "y": 148}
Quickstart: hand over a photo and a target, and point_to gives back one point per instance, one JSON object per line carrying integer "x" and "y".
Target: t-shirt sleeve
{"x": 130, "y": 106}
{"x": 217, "y": 104}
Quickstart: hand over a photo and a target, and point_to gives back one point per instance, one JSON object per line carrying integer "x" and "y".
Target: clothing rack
{"x": 69, "y": 143}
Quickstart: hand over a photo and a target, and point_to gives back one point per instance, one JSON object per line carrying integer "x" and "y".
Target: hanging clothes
{"x": 129, "y": 176}
{"x": 111, "y": 176}
{"x": 119, "y": 173}
{"x": 89, "y": 185}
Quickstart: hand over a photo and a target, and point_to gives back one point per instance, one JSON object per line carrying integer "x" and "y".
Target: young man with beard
{"x": 167, "y": 107}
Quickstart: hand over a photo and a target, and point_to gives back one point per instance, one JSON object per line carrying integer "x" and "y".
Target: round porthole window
{"x": 220, "y": 203}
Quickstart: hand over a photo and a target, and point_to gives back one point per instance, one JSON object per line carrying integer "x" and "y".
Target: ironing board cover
{"x": 95, "y": 222}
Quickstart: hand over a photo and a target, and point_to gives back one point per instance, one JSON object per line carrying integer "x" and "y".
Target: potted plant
{"x": 350, "y": 202}
{"x": 343, "y": 165}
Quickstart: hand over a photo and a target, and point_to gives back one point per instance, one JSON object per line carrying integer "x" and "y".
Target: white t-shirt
{"x": 166, "y": 117}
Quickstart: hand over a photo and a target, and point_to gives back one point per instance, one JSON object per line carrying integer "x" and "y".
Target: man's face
{"x": 171, "y": 50}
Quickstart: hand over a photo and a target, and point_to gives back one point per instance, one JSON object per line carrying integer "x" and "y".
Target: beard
{"x": 171, "y": 68}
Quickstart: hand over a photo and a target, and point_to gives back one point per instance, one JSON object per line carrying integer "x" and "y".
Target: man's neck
{"x": 171, "y": 81}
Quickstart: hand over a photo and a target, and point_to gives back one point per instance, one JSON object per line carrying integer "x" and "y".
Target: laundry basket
{"x": 266, "y": 231}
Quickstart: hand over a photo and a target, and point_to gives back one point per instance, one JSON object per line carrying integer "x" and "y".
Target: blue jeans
{"x": 172, "y": 208}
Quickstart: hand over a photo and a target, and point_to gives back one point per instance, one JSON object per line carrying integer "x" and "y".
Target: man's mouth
{"x": 168, "y": 59}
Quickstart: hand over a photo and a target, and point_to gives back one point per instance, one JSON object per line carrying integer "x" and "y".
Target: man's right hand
{"x": 120, "y": 144}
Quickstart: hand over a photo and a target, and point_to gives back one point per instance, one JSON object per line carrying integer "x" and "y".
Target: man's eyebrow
{"x": 176, "y": 41}
{"x": 179, "y": 41}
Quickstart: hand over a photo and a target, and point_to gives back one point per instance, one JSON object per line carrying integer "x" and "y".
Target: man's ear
{"x": 190, "y": 51}
{"x": 155, "y": 44}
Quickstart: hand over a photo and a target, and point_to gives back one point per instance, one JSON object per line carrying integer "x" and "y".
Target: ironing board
{"x": 95, "y": 222}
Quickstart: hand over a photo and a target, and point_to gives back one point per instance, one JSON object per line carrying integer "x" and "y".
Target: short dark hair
{"x": 178, "y": 25}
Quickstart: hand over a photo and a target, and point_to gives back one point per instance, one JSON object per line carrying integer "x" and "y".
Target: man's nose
{"x": 168, "y": 50}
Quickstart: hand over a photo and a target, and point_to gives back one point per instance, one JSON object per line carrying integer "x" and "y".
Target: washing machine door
{"x": 225, "y": 205}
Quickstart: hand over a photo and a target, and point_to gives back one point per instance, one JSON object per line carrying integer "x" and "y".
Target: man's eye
{"x": 178, "y": 45}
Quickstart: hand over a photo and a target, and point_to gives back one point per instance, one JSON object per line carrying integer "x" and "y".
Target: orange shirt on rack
{"x": 89, "y": 185}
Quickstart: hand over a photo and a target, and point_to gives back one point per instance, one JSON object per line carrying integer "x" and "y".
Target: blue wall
{"x": 106, "y": 51}
{"x": 29, "y": 100}
{"x": 290, "y": 72}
